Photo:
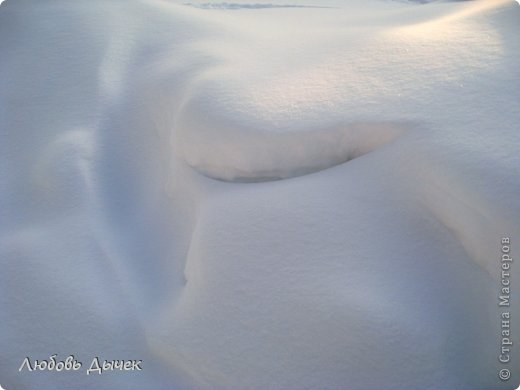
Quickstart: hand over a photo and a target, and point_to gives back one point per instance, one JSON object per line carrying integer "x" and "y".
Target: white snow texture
{"x": 259, "y": 195}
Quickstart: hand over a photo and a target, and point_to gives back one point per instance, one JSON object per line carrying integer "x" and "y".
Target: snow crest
{"x": 128, "y": 132}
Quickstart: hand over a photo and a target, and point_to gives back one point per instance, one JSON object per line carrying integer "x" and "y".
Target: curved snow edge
{"x": 238, "y": 155}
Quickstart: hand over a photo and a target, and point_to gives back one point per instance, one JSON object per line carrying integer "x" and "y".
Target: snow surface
{"x": 261, "y": 195}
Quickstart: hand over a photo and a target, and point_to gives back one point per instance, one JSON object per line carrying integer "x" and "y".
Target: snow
{"x": 268, "y": 194}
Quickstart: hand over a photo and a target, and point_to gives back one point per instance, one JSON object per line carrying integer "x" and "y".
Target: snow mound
{"x": 117, "y": 242}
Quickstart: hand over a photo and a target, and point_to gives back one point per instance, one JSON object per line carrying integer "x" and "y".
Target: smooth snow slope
{"x": 261, "y": 195}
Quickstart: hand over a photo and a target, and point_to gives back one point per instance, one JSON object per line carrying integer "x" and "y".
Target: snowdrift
{"x": 259, "y": 195}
